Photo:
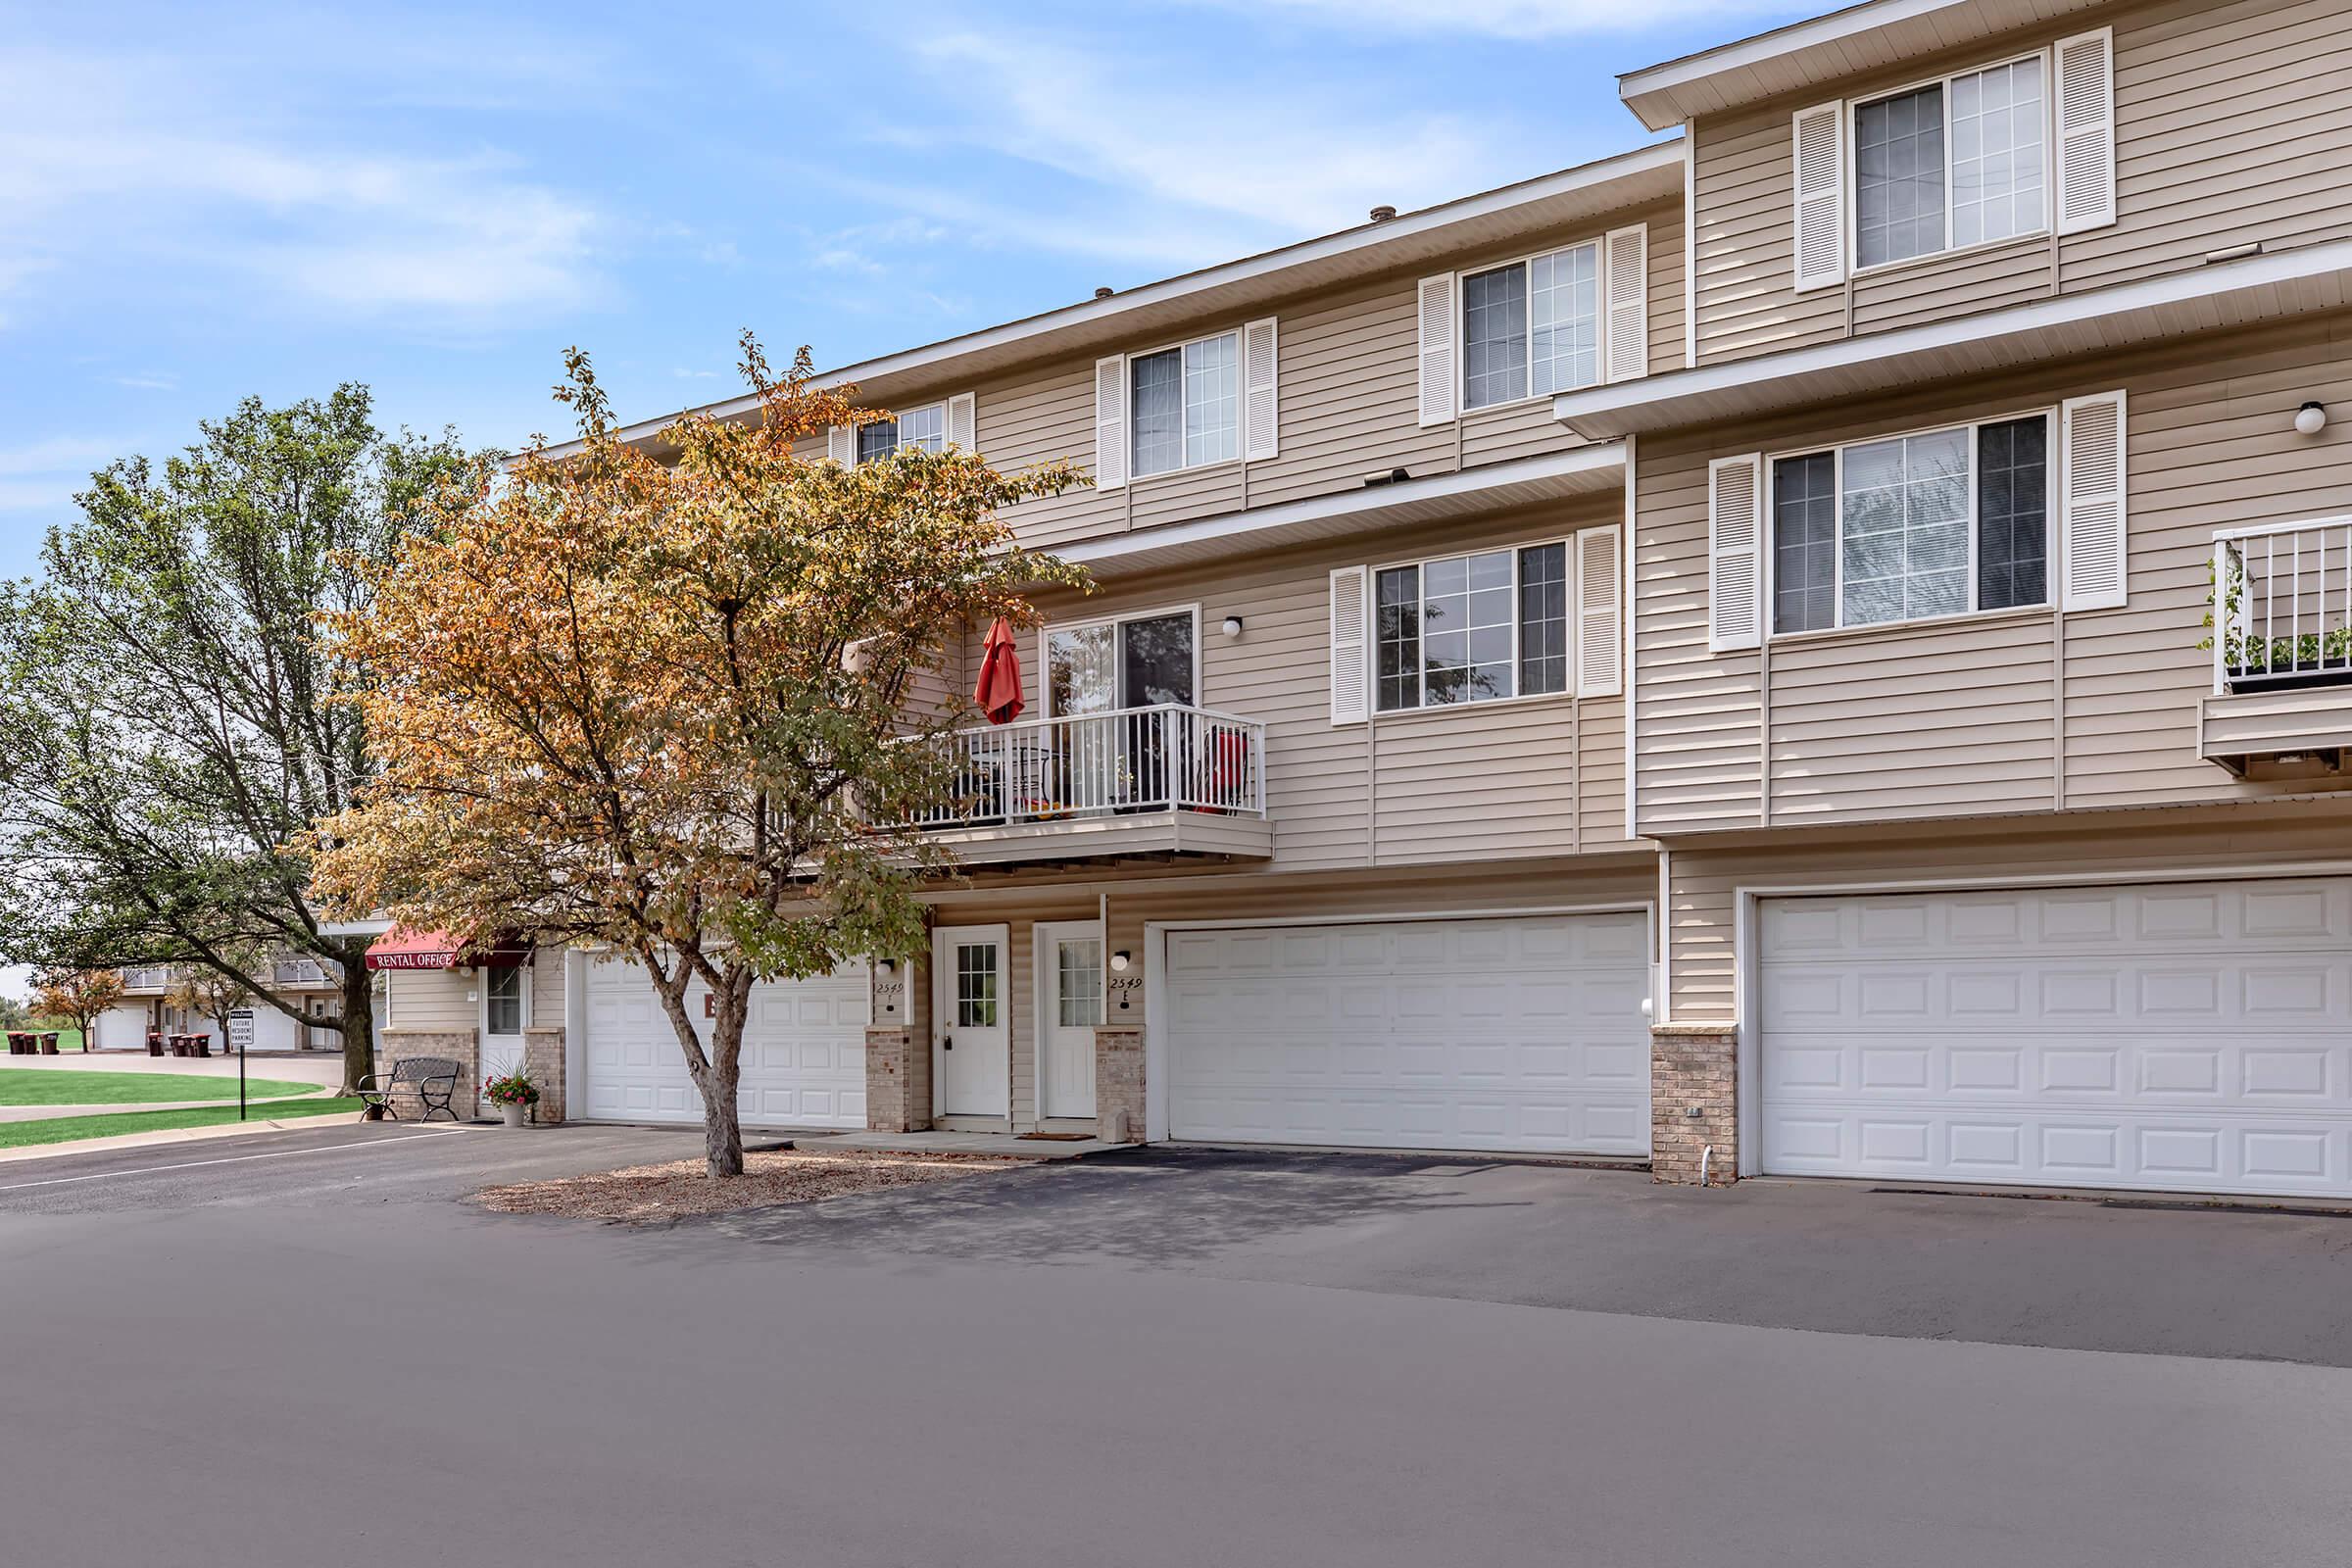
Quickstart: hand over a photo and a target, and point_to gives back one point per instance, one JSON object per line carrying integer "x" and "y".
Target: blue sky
{"x": 200, "y": 202}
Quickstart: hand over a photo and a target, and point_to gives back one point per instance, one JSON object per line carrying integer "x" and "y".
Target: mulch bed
{"x": 647, "y": 1194}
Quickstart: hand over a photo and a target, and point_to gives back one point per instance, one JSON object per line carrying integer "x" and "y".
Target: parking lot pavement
{"x": 1158, "y": 1358}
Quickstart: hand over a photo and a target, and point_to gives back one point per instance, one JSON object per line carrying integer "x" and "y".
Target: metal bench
{"x": 432, "y": 1080}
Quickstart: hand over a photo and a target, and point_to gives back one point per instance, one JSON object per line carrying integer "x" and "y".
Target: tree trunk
{"x": 359, "y": 1024}
{"x": 722, "y": 1121}
{"x": 723, "y": 1129}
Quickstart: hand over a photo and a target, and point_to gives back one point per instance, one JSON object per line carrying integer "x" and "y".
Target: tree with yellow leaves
{"x": 665, "y": 700}
{"x": 78, "y": 996}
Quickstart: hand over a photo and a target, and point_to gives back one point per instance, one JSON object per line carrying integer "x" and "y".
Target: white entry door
{"x": 506, "y": 1007}
{"x": 1069, "y": 1006}
{"x": 2192, "y": 1036}
{"x": 971, "y": 1033}
{"x": 1521, "y": 1035}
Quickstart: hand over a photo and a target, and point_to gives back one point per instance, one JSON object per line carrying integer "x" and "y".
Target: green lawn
{"x": 65, "y": 1129}
{"x": 67, "y": 1086}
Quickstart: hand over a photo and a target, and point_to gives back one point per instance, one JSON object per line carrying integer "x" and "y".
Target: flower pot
{"x": 514, "y": 1113}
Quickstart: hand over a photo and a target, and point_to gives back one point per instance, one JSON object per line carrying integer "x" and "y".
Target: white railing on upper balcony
{"x": 297, "y": 972}
{"x": 147, "y": 977}
{"x": 1132, "y": 760}
{"x": 2282, "y": 606}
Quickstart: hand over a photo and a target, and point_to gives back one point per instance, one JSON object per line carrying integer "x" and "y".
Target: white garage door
{"x": 803, "y": 1052}
{"x": 1511, "y": 1035}
{"x": 2188, "y": 1037}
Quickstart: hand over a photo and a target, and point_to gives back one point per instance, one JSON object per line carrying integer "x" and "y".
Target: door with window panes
{"x": 1128, "y": 674}
{"x": 505, "y": 1008}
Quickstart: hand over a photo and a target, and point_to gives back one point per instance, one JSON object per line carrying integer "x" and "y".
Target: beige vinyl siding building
{"x": 2213, "y": 149}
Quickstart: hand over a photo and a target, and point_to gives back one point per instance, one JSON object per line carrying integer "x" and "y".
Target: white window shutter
{"x": 1436, "y": 349}
{"x": 1600, "y": 613}
{"x": 1629, "y": 302}
{"x": 1110, "y": 422}
{"x": 1734, "y": 553}
{"x": 2087, "y": 130}
{"x": 964, "y": 422}
{"x": 2090, "y": 488}
{"x": 1351, "y": 656}
{"x": 1819, "y": 137}
{"x": 1262, "y": 415}
{"x": 841, "y": 444}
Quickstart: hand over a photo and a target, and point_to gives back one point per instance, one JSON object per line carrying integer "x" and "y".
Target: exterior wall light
{"x": 1120, "y": 959}
{"x": 2310, "y": 420}
{"x": 1233, "y": 625}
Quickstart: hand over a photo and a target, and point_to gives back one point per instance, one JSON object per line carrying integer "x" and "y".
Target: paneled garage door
{"x": 803, "y": 1052}
{"x": 2190, "y": 1036}
{"x": 1513, "y": 1035}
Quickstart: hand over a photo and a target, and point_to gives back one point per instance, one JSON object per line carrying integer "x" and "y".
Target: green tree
{"x": 167, "y": 733}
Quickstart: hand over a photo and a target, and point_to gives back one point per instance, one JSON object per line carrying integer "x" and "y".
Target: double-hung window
{"x": 924, "y": 427}
{"x": 1471, "y": 628}
{"x": 1938, "y": 524}
{"x": 1533, "y": 328}
{"x": 1186, "y": 405}
{"x": 1954, "y": 163}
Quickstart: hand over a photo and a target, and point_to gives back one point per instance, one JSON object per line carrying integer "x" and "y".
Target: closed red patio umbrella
{"x": 998, "y": 692}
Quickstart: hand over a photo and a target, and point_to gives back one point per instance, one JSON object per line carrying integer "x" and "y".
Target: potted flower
{"x": 512, "y": 1093}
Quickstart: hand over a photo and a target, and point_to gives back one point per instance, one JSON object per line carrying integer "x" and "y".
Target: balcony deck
{"x": 1161, "y": 782}
{"x": 2281, "y": 699}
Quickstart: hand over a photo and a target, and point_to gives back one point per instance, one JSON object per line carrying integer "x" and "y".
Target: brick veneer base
{"x": 543, "y": 1059}
{"x": 898, "y": 1082}
{"x": 1119, "y": 1084}
{"x": 1693, "y": 1066}
{"x": 461, "y": 1044}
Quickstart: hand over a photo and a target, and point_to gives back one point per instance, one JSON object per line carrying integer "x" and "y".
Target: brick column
{"x": 542, "y": 1062}
{"x": 1119, "y": 1084}
{"x": 461, "y": 1044}
{"x": 1694, "y": 1101}
{"x": 898, "y": 1082}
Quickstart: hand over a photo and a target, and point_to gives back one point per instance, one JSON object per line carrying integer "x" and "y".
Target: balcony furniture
{"x": 431, "y": 1081}
{"x": 1077, "y": 765}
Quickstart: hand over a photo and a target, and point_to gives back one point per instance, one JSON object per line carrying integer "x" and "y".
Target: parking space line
{"x": 231, "y": 1159}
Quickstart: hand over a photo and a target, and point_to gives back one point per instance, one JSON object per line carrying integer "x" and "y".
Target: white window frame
{"x": 2047, "y": 413}
{"x": 1045, "y": 634}
{"x": 1598, "y": 246}
{"x": 1851, "y": 178}
{"x": 896, "y": 418}
{"x": 1421, "y": 564}
{"x": 1240, "y": 435}
{"x": 523, "y": 1009}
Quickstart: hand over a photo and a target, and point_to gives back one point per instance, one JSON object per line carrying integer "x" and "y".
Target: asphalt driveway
{"x": 1149, "y": 1358}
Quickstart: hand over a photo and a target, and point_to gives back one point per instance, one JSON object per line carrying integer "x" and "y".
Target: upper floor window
{"x": 1957, "y": 162}
{"x": 1533, "y": 328}
{"x": 1937, "y": 523}
{"x": 1472, "y": 629}
{"x": 924, "y": 427}
{"x": 1186, "y": 405}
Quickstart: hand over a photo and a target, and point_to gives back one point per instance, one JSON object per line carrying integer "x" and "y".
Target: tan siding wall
{"x": 1963, "y": 718}
{"x": 1349, "y": 373}
{"x": 1701, "y": 910}
{"x": 1508, "y": 779}
{"x": 435, "y": 998}
{"x": 2233, "y": 124}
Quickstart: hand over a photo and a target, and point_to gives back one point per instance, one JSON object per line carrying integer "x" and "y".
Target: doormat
{"x": 1058, "y": 1137}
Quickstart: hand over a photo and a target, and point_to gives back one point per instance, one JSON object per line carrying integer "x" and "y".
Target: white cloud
{"x": 59, "y": 454}
{"x": 129, "y": 157}
{"x": 147, "y": 381}
{"x": 1512, "y": 19}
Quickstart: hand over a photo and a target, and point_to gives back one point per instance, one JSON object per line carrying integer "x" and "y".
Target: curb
{"x": 173, "y": 1135}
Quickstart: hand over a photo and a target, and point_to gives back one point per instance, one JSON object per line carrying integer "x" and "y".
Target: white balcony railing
{"x": 2282, "y": 606}
{"x": 297, "y": 972}
{"x": 1133, "y": 759}
{"x": 147, "y": 977}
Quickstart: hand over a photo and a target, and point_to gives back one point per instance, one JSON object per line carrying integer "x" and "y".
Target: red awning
{"x": 396, "y": 949}
{"x": 998, "y": 692}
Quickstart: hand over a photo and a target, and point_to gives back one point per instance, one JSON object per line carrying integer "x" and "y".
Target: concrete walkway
{"x": 114, "y": 1107}
{"x": 322, "y": 1067}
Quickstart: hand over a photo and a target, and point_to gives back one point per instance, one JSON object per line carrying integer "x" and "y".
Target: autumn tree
{"x": 213, "y": 994}
{"x": 662, "y": 704}
{"x": 167, "y": 738}
{"x": 78, "y": 996}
